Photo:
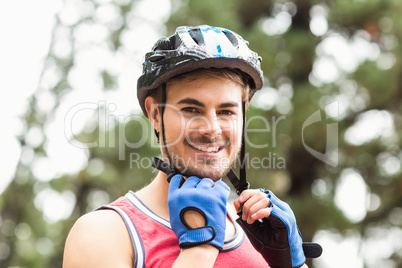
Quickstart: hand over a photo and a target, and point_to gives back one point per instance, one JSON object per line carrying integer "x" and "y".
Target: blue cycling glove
{"x": 205, "y": 197}
{"x": 277, "y": 237}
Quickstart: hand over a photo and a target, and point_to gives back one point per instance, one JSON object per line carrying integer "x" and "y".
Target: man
{"x": 195, "y": 89}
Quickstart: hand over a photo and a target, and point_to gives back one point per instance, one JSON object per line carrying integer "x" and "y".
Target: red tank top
{"x": 156, "y": 245}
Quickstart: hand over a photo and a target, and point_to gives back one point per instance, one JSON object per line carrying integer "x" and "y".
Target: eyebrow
{"x": 200, "y": 104}
{"x": 229, "y": 105}
{"x": 191, "y": 101}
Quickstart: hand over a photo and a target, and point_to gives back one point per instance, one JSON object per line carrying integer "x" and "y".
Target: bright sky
{"x": 25, "y": 32}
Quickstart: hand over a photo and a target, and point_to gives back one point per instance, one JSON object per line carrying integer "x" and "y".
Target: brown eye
{"x": 189, "y": 110}
{"x": 226, "y": 112}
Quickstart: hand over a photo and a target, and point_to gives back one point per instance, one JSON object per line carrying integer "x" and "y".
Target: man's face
{"x": 203, "y": 126}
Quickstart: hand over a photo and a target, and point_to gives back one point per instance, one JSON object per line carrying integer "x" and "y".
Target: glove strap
{"x": 198, "y": 236}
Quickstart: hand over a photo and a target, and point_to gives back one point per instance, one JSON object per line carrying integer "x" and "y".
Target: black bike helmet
{"x": 192, "y": 48}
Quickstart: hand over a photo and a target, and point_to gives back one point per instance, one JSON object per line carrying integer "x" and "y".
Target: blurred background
{"x": 326, "y": 126}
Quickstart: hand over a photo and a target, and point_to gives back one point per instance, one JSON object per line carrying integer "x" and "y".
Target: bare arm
{"x": 202, "y": 256}
{"x": 98, "y": 239}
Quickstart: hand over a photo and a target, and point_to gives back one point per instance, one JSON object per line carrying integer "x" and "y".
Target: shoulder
{"x": 99, "y": 239}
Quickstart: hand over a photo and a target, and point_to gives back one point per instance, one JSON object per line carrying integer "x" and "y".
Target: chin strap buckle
{"x": 164, "y": 167}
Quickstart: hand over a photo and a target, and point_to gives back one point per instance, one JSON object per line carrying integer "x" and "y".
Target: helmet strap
{"x": 157, "y": 135}
{"x": 243, "y": 147}
{"x": 171, "y": 164}
{"x": 240, "y": 184}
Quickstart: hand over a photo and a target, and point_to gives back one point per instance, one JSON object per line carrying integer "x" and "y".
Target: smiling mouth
{"x": 207, "y": 149}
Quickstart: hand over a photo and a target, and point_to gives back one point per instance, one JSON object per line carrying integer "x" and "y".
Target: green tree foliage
{"x": 339, "y": 60}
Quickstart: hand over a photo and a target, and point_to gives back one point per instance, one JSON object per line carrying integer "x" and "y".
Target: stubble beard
{"x": 206, "y": 167}
{"x": 214, "y": 168}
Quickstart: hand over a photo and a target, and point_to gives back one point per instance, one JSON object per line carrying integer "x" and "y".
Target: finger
{"x": 255, "y": 198}
{"x": 246, "y": 194}
{"x": 191, "y": 182}
{"x": 222, "y": 186}
{"x": 175, "y": 181}
{"x": 205, "y": 183}
{"x": 260, "y": 214}
{"x": 236, "y": 204}
{"x": 258, "y": 205}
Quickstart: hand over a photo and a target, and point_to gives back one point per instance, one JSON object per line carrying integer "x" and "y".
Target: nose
{"x": 211, "y": 127}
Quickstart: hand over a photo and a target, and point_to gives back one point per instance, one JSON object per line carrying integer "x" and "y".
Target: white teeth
{"x": 207, "y": 149}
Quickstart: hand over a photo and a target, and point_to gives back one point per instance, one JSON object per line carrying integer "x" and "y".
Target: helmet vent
{"x": 156, "y": 57}
{"x": 232, "y": 38}
{"x": 162, "y": 44}
{"x": 197, "y": 36}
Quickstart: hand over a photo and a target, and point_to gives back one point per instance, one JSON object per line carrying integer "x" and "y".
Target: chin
{"x": 213, "y": 168}
{"x": 207, "y": 172}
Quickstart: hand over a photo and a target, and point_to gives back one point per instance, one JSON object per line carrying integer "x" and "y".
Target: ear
{"x": 152, "y": 108}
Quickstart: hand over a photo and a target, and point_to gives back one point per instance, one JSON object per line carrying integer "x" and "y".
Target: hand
{"x": 275, "y": 236}
{"x": 253, "y": 204}
{"x": 201, "y": 197}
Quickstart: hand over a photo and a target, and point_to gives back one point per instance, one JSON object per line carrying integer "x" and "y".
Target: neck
{"x": 159, "y": 185}
{"x": 155, "y": 194}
